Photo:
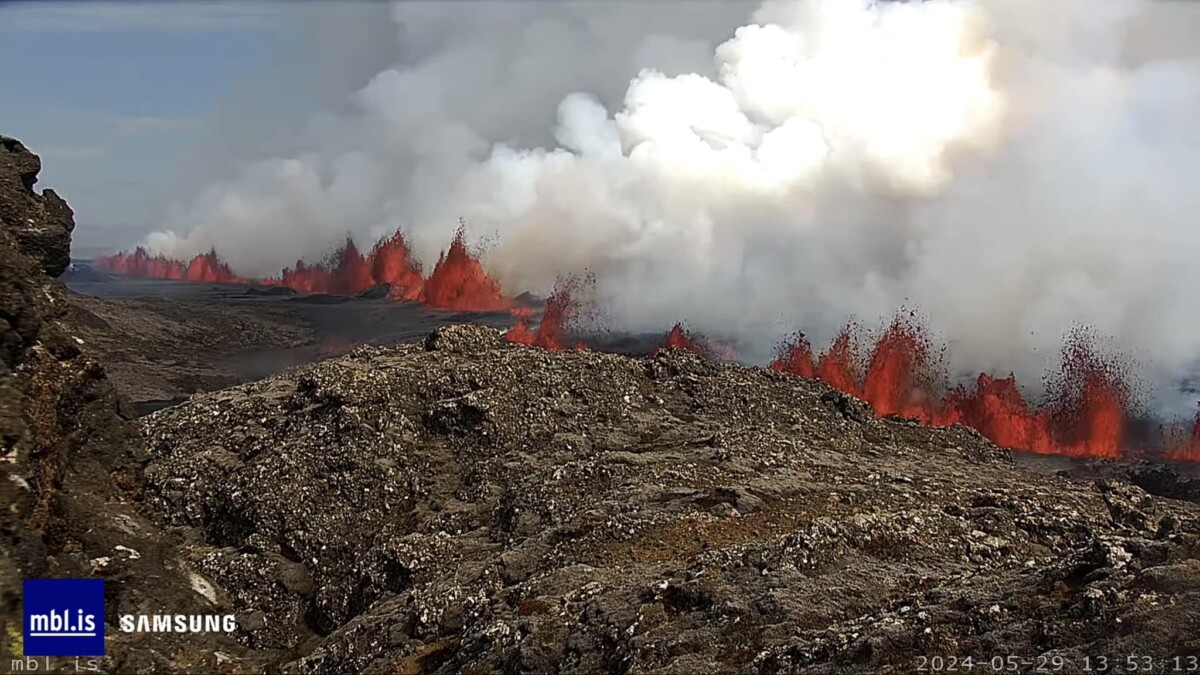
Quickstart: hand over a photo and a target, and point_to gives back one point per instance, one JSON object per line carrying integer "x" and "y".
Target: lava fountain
{"x": 561, "y": 308}
{"x": 1086, "y": 411}
{"x": 458, "y": 282}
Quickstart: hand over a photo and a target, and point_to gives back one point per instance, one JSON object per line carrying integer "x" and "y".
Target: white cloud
{"x": 171, "y": 16}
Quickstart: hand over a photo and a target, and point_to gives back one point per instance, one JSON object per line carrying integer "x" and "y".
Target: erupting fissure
{"x": 561, "y": 307}
{"x": 1086, "y": 413}
{"x": 458, "y": 281}
{"x": 347, "y": 272}
{"x": 682, "y": 338}
{"x": 206, "y": 267}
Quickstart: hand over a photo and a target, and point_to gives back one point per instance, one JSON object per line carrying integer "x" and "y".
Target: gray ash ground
{"x": 467, "y": 505}
{"x": 162, "y": 341}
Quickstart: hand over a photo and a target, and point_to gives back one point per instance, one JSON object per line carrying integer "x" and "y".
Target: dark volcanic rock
{"x": 468, "y": 505}
{"x": 71, "y": 464}
{"x": 41, "y": 224}
{"x": 377, "y": 292}
{"x": 157, "y": 349}
{"x": 270, "y": 290}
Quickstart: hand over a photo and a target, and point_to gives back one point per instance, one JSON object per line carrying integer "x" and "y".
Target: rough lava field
{"x": 506, "y": 508}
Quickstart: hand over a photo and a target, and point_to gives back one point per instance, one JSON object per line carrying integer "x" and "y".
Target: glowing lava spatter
{"x": 838, "y": 365}
{"x": 392, "y": 263}
{"x": 459, "y": 282}
{"x": 1186, "y": 445}
{"x": 344, "y": 272}
{"x": 899, "y": 375}
{"x": 795, "y": 356}
{"x": 348, "y": 272}
{"x": 1086, "y": 413}
{"x": 681, "y": 338}
{"x": 560, "y": 309}
{"x": 206, "y": 267}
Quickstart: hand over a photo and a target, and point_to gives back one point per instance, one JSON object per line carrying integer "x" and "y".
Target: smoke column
{"x": 1000, "y": 164}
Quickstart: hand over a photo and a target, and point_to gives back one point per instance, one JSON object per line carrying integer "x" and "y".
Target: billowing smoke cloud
{"x": 999, "y": 164}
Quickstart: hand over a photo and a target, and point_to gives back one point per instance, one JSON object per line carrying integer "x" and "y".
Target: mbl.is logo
{"x": 64, "y": 617}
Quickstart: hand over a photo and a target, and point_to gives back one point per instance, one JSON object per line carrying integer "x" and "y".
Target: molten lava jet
{"x": 838, "y": 366}
{"x": 678, "y": 338}
{"x": 795, "y": 356}
{"x": 206, "y": 267}
{"x": 561, "y": 307}
{"x": 1086, "y": 414}
{"x": 1087, "y": 411}
{"x": 344, "y": 272}
{"x": 459, "y": 282}
{"x": 681, "y": 338}
{"x": 392, "y": 263}
{"x": 900, "y": 377}
{"x": 347, "y": 272}
{"x": 1186, "y": 449}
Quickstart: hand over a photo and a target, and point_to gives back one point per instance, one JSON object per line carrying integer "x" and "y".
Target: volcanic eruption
{"x": 458, "y": 281}
{"x": 1086, "y": 411}
{"x": 1013, "y": 169}
{"x": 347, "y": 272}
{"x": 204, "y": 267}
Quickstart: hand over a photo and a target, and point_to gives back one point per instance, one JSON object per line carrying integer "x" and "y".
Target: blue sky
{"x": 118, "y": 97}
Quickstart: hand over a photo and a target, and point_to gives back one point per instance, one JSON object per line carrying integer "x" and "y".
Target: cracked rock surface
{"x": 40, "y": 223}
{"x": 467, "y": 505}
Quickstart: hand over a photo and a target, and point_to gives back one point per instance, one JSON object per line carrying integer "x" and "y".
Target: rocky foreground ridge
{"x": 469, "y": 505}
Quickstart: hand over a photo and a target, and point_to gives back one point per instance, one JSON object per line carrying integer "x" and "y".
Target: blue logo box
{"x": 64, "y": 617}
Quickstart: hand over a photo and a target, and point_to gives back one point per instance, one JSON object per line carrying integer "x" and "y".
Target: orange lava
{"x": 1087, "y": 411}
{"x": 1186, "y": 449}
{"x": 838, "y": 365}
{"x": 560, "y": 309}
{"x": 678, "y": 338}
{"x": 681, "y": 338}
{"x": 898, "y": 374}
{"x": 344, "y": 272}
{"x": 522, "y": 334}
{"x": 795, "y": 357}
{"x": 206, "y": 267}
{"x": 348, "y": 272}
{"x": 1086, "y": 414}
{"x": 459, "y": 282}
{"x": 392, "y": 263}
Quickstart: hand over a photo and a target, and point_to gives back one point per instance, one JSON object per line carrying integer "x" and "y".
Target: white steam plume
{"x": 999, "y": 164}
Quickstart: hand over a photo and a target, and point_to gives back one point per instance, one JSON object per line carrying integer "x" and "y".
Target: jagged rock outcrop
{"x": 41, "y": 224}
{"x": 71, "y": 462}
{"x": 44, "y": 381}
